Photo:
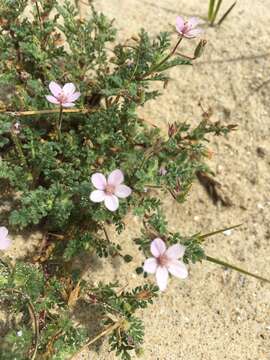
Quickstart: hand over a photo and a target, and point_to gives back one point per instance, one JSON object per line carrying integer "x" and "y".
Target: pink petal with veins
{"x": 52, "y": 99}
{"x": 97, "y": 196}
{"x": 74, "y": 97}
{"x": 122, "y": 191}
{"x": 150, "y": 265}
{"x": 55, "y": 88}
{"x": 180, "y": 23}
{"x": 178, "y": 269}
{"x": 158, "y": 247}
{"x": 111, "y": 202}
{"x": 175, "y": 251}
{"x": 99, "y": 181}
{"x": 69, "y": 89}
{"x": 116, "y": 177}
{"x": 162, "y": 277}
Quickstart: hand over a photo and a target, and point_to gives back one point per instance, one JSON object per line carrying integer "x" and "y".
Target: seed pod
{"x": 199, "y": 49}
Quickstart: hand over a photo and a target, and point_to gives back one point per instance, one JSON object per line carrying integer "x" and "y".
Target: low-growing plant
{"x": 76, "y": 158}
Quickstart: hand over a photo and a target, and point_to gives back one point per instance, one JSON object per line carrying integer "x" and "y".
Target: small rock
{"x": 261, "y": 152}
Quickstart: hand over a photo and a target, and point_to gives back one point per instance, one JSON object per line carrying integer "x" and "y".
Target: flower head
{"x": 188, "y": 29}
{"x": 165, "y": 261}
{"x": 5, "y": 241}
{"x": 162, "y": 171}
{"x": 109, "y": 190}
{"x": 64, "y": 96}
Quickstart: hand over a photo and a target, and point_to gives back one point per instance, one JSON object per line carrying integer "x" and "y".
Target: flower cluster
{"x": 81, "y": 165}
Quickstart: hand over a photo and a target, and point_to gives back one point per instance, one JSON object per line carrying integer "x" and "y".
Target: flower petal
{"x": 52, "y": 99}
{"x": 193, "y": 33}
{"x": 157, "y": 247}
{"x": 162, "y": 277}
{"x": 178, "y": 269}
{"x": 5, "y": 243}
{"x": 111, "y": 202}
{"x": 74, "y": 97}
{"x": 116, "y": 177}
{"x": 193, "y": 22}
{"x": 180, "y": 23}
{"x": 69, "y": 88}
{"x": 69, "y": 104}
{"x": 122, "y": 191}
{"x": 175, "y": 251}
{"x": 55, "y": 88}
{"x": 3, "y": 231}
{"x": 150, "y": 265}
{"x": 99, "y": 181}
{"x": 97, "y": 196}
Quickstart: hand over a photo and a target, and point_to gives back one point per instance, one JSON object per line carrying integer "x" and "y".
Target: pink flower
{"x": 5, "y": 241}
{"x": 64, "y": 96}
{"x": 162, "y": 171}
{"x": 109, "y": 191}
{"x": 165, "y": 261}
{"x": 188, "y": 28}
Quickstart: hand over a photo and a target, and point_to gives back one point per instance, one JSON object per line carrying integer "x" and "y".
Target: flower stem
{"x": 155, "y": 67}
{"x": 39, "y": 17}
{"x": 92, "y": 341}
{"x": 59, "y": 123}
{"x": 227, "y": 13}
{"x": 44, "y": 112}
{"x": 18, "y": 147}
{"x": 204, "y": 236}
{"x": 233, "y": 267}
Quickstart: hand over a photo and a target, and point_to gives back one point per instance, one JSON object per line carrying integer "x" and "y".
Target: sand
{"x": 215, "y": 314}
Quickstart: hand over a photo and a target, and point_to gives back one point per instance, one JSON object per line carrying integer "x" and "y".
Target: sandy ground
{"x": 215, "y": 314}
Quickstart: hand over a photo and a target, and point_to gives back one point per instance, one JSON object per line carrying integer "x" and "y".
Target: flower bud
{"x": 172, "y": 129}
{"x": 16, "y": 128}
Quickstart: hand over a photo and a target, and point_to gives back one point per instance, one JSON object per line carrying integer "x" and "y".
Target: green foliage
{"x": 50, "y": 175}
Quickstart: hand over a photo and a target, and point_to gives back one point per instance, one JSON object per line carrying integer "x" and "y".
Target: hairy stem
{"x": 155, "y": 67}
{"x": 43, "y": 112}
{"x": 204, "y": 236}
{"x": 227, "y": 13}
{"x": 233, "y": 267}
{"x": 39, "y": 17}
{"x": 92, "y": 341}
{"x": 18, "y": 147}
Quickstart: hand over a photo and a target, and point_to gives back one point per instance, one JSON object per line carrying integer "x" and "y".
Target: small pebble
{"x": 228, "y": 232}
{"x": 261, "y": 152}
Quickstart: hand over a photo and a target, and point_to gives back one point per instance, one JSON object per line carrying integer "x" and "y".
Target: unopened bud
{"x": 24, "y": 75}
{"x": 135, "y": 38}
{"x": 199, "y": 49}
{"x": 16, "y": 127}
{"x": 172, "y": 129}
